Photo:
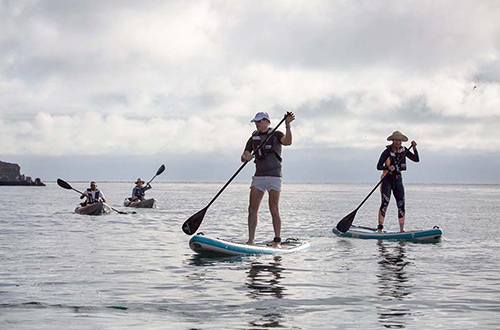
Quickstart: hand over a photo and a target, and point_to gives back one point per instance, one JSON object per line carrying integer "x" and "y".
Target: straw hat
{"x": 139, "y": 180}
{"x": 397, "y": 135}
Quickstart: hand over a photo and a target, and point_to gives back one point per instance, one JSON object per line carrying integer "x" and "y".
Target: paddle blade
{"x": 192, "y": 224}
{"x": 64, "y": 184}
{"x": 160, "y": 170}
{"x": 346, "y": 222}
{"x": 118, "y": 211}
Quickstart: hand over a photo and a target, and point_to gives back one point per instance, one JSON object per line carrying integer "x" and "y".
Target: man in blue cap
{"x": 268, "y": 175}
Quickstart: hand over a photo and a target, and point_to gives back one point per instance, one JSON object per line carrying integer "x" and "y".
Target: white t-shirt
{"x": 94, "y": 195}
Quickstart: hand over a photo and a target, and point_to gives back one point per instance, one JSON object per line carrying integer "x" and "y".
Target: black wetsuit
{"x": 394, "y": 180}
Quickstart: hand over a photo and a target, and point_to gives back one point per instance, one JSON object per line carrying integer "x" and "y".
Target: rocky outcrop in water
{"x": 10, "y": 175}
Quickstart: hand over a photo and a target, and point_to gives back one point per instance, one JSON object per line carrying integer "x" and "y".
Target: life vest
{"x": 93, "y": 195}
{"x": 398, "y": 159}
{"x": 140, "y": 192}
{"x": 266, "y": 149}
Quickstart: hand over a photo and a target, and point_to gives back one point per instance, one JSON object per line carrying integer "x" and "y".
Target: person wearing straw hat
{"x": 268, "y": 176}
{"x": 393, "y": 161}
{"x": 139, "y": 190}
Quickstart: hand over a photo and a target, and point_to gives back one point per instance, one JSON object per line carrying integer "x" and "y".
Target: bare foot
{"x": 276, "y": 245}
{"x": 249, "y": 242}
{"x": 380, "y": 231}
{"x": 402, "y": 231}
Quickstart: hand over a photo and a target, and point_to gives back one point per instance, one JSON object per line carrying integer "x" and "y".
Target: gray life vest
{"x": 266, "y": 149}
{"x": 93, "y": 196}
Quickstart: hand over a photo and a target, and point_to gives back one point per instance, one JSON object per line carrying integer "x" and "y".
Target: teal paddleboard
{"x": 208, "y": 245}
{"x": 433, "y": 234}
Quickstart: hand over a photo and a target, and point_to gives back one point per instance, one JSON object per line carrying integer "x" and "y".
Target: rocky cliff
{"x": 10, "y": 175}
{"x": 9, "y": 172}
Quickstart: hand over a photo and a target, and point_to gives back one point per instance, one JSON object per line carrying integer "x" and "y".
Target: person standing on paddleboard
{"x": 268, "y": 176}
{"x": 393, "y": 161}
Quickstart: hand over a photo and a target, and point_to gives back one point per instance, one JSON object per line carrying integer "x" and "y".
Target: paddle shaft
{"x": 378, "y": 184}
{"x": 246, "y": 162}
{"x": 160, "y": 171}
{"x": 78, "y": 191}
{"x": 152, "y": 179}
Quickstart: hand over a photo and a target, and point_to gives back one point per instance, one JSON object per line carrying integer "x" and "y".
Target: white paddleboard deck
{"x": 208, "y": 245}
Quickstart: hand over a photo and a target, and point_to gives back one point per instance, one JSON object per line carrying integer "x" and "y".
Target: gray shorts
{"x": 267, "y": 183}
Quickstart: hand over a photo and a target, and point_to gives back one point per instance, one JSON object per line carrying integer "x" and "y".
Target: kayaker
{"x": 139, "y": 190}
{"x": 268, "y": 176}
{"x": 393, "y": 161}
{"x": 93, "y": 195}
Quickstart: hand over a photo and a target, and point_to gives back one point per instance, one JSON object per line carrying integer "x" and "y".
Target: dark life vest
{"x": 398, "y": 160}
{"x": 93, "y": 195}
{"x": 266, "y": 149}
{"x": 140, "y": 192}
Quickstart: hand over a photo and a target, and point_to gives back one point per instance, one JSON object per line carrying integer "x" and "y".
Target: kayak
{"x": 433, "y": 234}
{"x": 207, "y": 245}
{"x": 146, "y": 204}
{"x": 94, "y": 209}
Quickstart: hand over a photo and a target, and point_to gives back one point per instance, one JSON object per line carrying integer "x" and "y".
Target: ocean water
{"x": 60, "y": 270}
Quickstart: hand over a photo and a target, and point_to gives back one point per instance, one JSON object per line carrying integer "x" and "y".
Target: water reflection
{"x": 263, "y": 280}
{"x": 211, "y": 260}
{"x": 394, "y": 283}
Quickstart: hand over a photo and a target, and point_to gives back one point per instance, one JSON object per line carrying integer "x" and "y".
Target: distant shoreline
{"x": 294, "y": 182}
{"x": 21, "y": 184}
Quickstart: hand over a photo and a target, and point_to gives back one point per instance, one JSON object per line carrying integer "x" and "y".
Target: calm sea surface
{"x": 60, "y": 270}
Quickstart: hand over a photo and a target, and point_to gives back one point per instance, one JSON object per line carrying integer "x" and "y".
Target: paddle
{"x": 65, "y": 185}
{"x": 192, "y": 224}
{"x": 346, "y": 222}
{"x": 160, "y": 171}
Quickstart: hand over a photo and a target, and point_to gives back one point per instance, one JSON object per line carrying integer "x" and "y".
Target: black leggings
{"x": 394, "y": 183}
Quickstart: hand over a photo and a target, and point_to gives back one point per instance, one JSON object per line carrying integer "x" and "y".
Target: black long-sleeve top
{"x": 396, "y": 157}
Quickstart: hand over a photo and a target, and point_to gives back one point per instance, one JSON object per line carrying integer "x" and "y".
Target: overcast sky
{"x": 109, "y": 90}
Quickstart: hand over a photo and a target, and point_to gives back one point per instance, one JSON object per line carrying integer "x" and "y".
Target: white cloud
{"x": 95, "y": 134}
{"x": 153, "y": 77}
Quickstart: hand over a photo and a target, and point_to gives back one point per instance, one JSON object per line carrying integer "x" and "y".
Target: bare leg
{"x": 253, "y": 209}
{"x": 274, "y": 200}
{"x": 402, "y": 224}
{"x": 381, "y": 219}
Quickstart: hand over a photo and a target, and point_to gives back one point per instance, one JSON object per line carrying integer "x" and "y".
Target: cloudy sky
{"x": 109, "y": 90}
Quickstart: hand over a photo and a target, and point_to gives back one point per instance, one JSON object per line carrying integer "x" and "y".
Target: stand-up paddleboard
{"x": 433, "y": 234}
{"x": 207, "y": 245}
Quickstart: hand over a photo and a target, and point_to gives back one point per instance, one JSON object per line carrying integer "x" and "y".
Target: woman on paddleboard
{"x": 393, "y": 162}
{"x": 268, "y": 176}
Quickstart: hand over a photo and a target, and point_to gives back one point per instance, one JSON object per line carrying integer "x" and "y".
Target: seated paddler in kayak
{"x": 139, "y": 191}
{"x": 393, "y": 162}
{"x": 268, "y": 176}
{"x": 93, "y": 195}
